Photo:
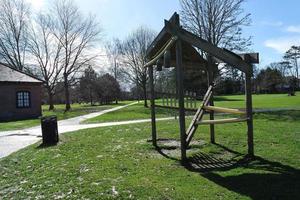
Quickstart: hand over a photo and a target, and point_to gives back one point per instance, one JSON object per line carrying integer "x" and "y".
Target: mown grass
{"x": 118, "y": 162}
{"x": 260, "y": 101}
{"x": 77, "y": 110}
{"x": 133, "y": 112}
{"x": 269, "y": 101}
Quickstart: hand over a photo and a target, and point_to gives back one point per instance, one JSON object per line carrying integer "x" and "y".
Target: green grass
{"x": 268, "y": 101}
{"x": 77, "y": 110}
{"x": 261, "y": 101}
{"x": 93, "y": 163}
{"x": 131, "y": 113}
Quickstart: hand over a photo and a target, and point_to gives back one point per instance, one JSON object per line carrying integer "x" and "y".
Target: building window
{"x": 23, "y": 99}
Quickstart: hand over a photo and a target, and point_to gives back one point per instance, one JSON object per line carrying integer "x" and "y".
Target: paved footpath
{"x": 12, "y": 141}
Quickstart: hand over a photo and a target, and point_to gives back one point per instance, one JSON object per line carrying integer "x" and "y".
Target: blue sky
{"x": 275, "y": 23}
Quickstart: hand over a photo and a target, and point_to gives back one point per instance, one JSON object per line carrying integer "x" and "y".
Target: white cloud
{"x": 293, "y": 29}
{"x": 36, "y": 4}
{"x": 272, "y": 23}
{"x": 282, "y": 44}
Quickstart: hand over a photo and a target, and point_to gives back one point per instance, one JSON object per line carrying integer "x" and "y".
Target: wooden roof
{"x": 190, "y": 56}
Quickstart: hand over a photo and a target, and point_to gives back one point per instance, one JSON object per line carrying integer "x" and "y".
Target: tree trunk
{"x": 145, "y": 95}
{"x": 67, "y": 93}
{"x": 50, "y": 96}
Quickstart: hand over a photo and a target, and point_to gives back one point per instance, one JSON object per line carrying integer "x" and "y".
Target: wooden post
{"x": 152, "y": 102}
{"x": 211, "y": 103}
{"x": 248, "y": 91}
{"x": 180, "y": 90}
{"x": 171, "y": 98}
{"x": 191, "y": 99}
{"x": 195, "y": 100}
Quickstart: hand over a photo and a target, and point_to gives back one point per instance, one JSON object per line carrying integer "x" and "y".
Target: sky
{"x": 275, "y": 23}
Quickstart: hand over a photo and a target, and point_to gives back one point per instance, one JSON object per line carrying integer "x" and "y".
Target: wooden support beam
{"x": 221, "y": 121}
{"x": 248, "y": 91}
{"x": 152, "y": 102}
{"x": 180, "y": 90}
{"x": 224, "y": 55}
{"x": 223, "y": 110}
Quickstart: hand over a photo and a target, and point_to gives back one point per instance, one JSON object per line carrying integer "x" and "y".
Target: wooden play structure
{"x": 175, "y": 47}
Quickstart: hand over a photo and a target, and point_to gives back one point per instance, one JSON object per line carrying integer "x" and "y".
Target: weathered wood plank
{"x": 224, "y": 110}
{"x": 180, "y": 89}
{"x": 152, "y": 102}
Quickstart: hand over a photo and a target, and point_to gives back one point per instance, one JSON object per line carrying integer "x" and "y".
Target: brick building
{"x": 20, "y": 94}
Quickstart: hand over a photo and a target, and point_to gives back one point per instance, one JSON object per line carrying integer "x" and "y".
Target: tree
{"x": 113, "y": 53}
{"x": 47, "y": 53}
{"x": 107, "y": 89}
{"x": 14, "y": 17}
{"x": 269, "y": 79}
{"x": 77, "y": 34}
{"x": 87, "y": 85}
{"x": 133, "y": 51}
{"x": 219, "y": 22}
{"x": 292, "y": 55}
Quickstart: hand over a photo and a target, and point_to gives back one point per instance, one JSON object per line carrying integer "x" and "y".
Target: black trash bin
{"x": 49, "y": 130}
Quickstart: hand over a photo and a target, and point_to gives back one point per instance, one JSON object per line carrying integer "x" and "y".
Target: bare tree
{"x": 47, "y": 52}
{"x": 133, "y": 51}
{"x": 219, "y": 22}
{"x": 113, "y": 54}
{"x": 77, "y": 34}
{"x": 14, "y": 17}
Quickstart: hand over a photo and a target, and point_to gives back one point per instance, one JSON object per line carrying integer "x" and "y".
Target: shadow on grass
{"x": 256, "y": 178}
{"x": 218, "y": 98}
{"x": 263, "y": 179}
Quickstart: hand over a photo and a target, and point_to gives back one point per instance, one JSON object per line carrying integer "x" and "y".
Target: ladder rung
{"x": 222, "y": 121}
{"x": 224, "y": 110}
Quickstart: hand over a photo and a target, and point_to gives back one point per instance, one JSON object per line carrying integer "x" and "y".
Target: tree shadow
{"x": 219, "y": 98}
{"x": 263, "y": 179}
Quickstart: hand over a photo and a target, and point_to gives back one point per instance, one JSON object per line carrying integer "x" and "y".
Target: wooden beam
{"x": 221, "y": 121}
{"x": 224, "y": 55}
{"x": 248, "y": 91}
{"x": 224, "y": 110}
{"x": 152, "y": 102}
{"x": 180, "y": 90}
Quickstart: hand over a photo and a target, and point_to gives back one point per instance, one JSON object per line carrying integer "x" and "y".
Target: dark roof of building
{"x": 9, "y": 74}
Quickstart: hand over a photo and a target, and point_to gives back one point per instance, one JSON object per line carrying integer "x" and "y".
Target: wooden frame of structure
{"x": 181, "y": 44}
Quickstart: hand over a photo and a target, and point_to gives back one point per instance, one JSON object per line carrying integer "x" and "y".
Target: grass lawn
{"x": 268, "y": 101}
{"x": 77, "y": 110}
{"x": 131, "y": 113}
{"x": 260, "y": 101}
{"x": 118, "y": 162}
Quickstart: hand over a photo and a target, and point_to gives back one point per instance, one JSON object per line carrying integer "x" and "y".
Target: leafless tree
{"x": 133, "y": 52}
{"x": 77, "y": 34}
{"x": 220, "y": 22}
{"x": 14, "y": 17}
{"x": 47, "y": 53}
{"x": 113, "y": 53}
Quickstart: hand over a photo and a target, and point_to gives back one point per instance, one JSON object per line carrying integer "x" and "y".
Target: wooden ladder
{"x": 198, "y": 116}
